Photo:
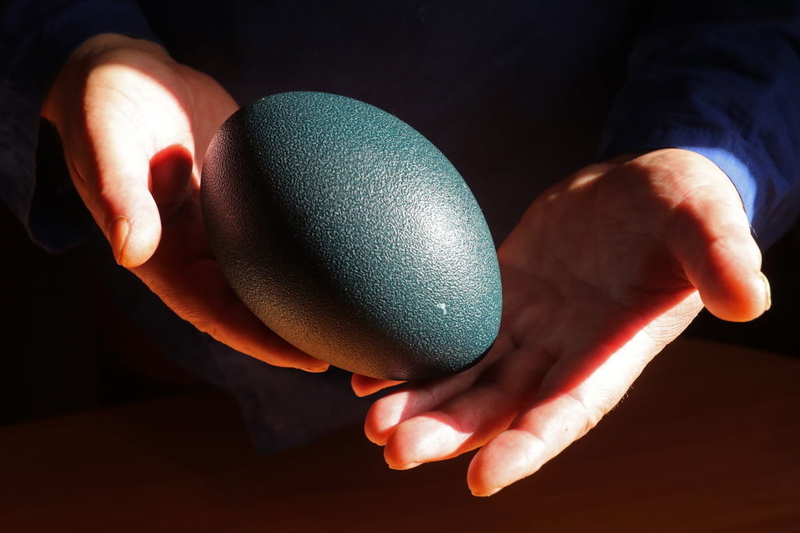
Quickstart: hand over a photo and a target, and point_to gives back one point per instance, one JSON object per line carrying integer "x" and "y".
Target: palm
{"x": 596, "y": 282}
{"x": 587, "y": 272}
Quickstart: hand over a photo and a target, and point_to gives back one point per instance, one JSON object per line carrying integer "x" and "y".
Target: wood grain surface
{"x": 708, "y": 440}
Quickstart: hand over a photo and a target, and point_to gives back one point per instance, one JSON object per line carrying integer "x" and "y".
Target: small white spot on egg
{"x": 443, "y": 307}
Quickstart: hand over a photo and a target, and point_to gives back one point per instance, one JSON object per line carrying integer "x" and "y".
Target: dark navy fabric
{"x": 722, "y": 79}
{"x": 516, "y": 93}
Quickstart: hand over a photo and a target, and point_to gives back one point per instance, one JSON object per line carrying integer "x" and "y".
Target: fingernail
{"x": 315, "y": 366}
{"x": 767, "y": 291}
{"x": 406, "y": 466}
{"x": 118, "y": 232}
{"x": 485, "y": 494}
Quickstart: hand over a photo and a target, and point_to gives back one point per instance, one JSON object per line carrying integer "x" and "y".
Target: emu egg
{"x": 351, "y": 236}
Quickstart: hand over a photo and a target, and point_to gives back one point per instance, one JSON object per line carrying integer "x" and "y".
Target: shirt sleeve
{"x": 35, "y": 40}
{"x": 721, "y": 79}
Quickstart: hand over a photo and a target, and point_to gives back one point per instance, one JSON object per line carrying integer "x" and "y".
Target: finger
{"x": 460, "y": 425}
{"x": 182, "y": 265}
{"x": 237, "y": 327}
{"x": 520, "y": 451}
{"x": 712, "y": 239}
{"x": 474, "y": 415}
{"x": 126, "y": 207}
{"x": 112, "y": 178}
{"x": 365, "y": 385}
{"x": 558, "y": 417}
{"x": 171, "y": 178}
{"x": 391, "y": 410}
{"x": 132, "y": 122}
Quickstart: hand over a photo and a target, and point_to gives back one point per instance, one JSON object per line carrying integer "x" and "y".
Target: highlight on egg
{"x": 351, "y": 236}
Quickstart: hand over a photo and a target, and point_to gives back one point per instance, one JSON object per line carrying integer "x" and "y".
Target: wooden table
{"x": 707, "y": 440}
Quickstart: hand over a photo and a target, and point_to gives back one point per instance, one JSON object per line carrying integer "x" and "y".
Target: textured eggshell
{"x": 351, "y": 236}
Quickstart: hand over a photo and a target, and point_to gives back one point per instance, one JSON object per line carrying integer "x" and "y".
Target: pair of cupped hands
{"x": 603, "y": 270}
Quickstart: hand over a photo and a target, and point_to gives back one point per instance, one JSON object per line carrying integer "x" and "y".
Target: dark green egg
{"x": 351, "y": 236}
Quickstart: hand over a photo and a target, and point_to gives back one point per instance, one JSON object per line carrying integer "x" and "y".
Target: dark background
{"x": 68, "y": 348}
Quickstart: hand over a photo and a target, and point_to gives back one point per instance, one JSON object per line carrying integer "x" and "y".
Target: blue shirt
{"x": 517, "y": 94}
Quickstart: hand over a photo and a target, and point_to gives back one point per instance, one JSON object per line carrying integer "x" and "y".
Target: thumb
{"x": 97, "y": 103}
{"x": 711, "y": 238}
{"x": 125, "y": 206}
{"x": 117, "y": 104}
{"x": 112, "y": 174}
